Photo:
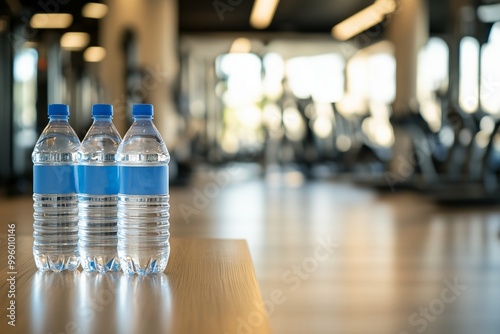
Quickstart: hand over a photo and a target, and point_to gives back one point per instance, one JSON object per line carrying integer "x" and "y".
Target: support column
{"x": 408, "y": 31}
{"x": 154, "y": 24}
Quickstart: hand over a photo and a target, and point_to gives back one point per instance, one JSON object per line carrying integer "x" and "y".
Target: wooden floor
{"x": 347, "y": 260}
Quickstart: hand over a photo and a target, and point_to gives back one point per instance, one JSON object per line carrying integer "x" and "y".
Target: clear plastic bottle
{"x": 54, "y": 194}
{"x": 98, "y": 193}
{"x": 143, "y": 199}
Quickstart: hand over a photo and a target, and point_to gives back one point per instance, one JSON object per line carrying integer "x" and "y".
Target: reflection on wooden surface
{"x": 209, "y": 287}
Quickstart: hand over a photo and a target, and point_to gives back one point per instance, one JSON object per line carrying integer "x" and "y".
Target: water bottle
{"x": 143, "y": 236}
{"x": 55, "y": 200}
{"x": 98, "y": 193}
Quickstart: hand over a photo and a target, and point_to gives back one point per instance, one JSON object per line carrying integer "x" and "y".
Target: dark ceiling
{"x": 291, "y": 15}
{"x": 198, "y": 16}
{"x": 318, "y": 16}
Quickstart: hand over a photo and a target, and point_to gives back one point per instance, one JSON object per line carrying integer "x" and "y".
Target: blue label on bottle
{"x": 54, "y": 179}
{"x": 98, "y": 180}
{"x": 140, "y": 180}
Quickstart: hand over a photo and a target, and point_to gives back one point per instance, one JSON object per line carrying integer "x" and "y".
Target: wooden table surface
{"x": 395, "y": 253}
{"x": 209, "y": 286}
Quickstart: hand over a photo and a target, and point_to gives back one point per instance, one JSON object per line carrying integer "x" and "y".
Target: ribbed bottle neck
{"x": 107, "y": 119}
{"x": 58, "y": 119}
{"x": 143, "y": 118}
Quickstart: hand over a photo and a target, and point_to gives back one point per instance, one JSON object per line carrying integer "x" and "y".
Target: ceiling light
{"x": 241, "y": 45}
{"x": 94, "y": 10}
{"x": 364, "y": 19}
{"x": 75, "y": 41}
{"x": 489, "y": 13}
{"x": 94, "y": 54}
{"x": 51, "y": 21}
{"x": 263, "y": 13}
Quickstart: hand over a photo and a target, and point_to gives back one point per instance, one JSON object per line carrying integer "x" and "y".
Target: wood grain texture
{"x": 209, "y": 287}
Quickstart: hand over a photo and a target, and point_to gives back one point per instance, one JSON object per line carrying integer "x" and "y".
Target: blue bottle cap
{"x": 142, "y": 110}
{"x": 58, "y": 110}
{"x": 102, "y": 110}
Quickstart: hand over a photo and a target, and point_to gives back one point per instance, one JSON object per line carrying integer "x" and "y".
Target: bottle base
{"x": 143, "y": 266}
{"x": 101, "y": 264}
{"x": 56, "y": 263}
